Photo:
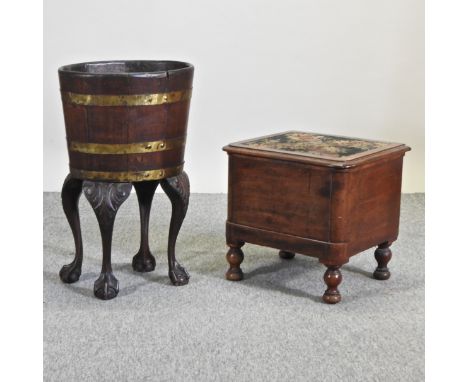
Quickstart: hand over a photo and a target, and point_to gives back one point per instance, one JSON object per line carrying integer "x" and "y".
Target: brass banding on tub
{"x": 127, "y": 176}
{"x": 127, "y": 148}
{"x": 127, "y": 99}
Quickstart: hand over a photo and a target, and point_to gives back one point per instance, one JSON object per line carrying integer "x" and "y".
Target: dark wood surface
{"x": 332, "y": 278}
{"x": 306, "y": 217}
{"x": 327, "y": 209}
{"x": 106, "y": 198}
{"x": 235, "y": 257}
{"x": 71, "y": 192}
{"x": 383, "y": 254}
{"x": 125, "y": 77}
{"x": 178, "y": 190}
{"x": 286, "y": 255}
{"x": 125, "y": 124}
{"x": 144, "y": 260}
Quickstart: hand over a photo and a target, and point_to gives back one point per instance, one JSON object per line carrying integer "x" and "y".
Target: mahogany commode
{"x": 126, "y": 124}
{"x": 319, "y": 195}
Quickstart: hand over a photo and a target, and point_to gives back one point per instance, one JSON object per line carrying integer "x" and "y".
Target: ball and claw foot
{"x": 235, "y": 256}
{"x": 106, "y": 287}
{"x": 332, "y": 278}
{"x": 143, "y": 263}
{"x": 383, "y": 255}
{"x": 178, "y": 275}
{"x": 286, "y": 255}
{"x": 70, "y": 273}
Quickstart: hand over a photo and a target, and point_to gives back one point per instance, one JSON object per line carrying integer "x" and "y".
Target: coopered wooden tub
{"x": 126, "y": 124}
{"x": 126, "y": 120}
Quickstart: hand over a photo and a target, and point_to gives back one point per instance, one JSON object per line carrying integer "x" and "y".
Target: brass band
{"x": 127, "y": 100}
{"x": 127, "y": 148}
{"x": 127, "y": 176}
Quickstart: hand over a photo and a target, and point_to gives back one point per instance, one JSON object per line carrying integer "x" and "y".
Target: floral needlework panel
{"x": 317, "y": 145}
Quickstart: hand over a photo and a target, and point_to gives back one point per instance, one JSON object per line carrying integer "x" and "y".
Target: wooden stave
{"x": 126, "y": 124}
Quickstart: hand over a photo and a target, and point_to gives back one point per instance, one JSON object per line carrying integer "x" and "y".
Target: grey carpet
{"x": 270, "y": 327}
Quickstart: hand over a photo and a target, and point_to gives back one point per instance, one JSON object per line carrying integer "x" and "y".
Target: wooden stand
{"x": 106, "y": 198}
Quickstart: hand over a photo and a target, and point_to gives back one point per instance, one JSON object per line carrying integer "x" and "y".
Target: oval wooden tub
{"x": 126, "y": 121}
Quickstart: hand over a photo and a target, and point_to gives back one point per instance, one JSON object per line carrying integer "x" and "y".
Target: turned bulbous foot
{"x": 380, "y": 274}
{"x": 70, "y": 273}
{"x": 383, "y": 255}
{"x": 331, "y": 297}
{"x": 106, "y": 287}
{"x": 143, "y": 262}
{"x": 332, "y": 278}
{"x": 178, "y": 275}
{"x": 235, "y": 256}
{"x": 286, "y": 255}
{"x": 235, "y": 275}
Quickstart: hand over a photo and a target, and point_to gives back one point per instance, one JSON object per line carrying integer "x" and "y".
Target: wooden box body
{"x": 330, "y": 209}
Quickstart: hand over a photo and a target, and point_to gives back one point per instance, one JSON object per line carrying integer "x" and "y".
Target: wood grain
{"x": 327, "y": 209}
{"x": 125, "y": 124}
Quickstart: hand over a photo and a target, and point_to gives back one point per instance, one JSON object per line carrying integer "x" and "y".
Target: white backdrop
{"x": 346, "y": 67}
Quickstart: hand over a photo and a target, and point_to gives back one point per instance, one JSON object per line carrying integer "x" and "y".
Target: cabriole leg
{"x": 71, "y": 192}
{"x": 106, "y": 198}
{"x": 144, "y": 261}
{"x": 177, "y": 189}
